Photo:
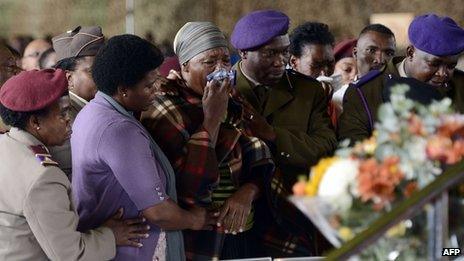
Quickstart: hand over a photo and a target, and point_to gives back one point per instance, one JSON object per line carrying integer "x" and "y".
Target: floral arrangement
{"x": 409, "y": 148}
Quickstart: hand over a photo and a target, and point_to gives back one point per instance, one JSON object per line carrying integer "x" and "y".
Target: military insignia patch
{"x": 43, "y": 156}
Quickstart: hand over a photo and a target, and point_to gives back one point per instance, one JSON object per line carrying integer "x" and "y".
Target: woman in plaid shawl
{"x": 200, "y": 129}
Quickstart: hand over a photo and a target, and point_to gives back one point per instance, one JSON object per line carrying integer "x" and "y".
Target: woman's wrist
{"x": 212, "y": 127}
{"x": 250, "y": 189}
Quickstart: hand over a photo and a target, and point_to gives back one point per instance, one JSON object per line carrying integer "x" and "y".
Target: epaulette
{"x": 367, "y": 78}
{"x": 43, "y": 156}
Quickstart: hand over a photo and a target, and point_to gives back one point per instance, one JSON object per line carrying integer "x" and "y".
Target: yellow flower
{"x": 317, "y": 173}
{"x": 370, "y": 145}
{"x": 397, "y": 231}
{"x": 345, "y": 233}
{"x": 393, "y": 169}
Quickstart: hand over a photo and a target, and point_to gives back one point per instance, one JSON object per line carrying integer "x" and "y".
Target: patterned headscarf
{"x": 196, "y": 37}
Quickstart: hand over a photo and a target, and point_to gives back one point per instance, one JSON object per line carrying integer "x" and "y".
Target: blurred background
{"x": 159, "y": 20}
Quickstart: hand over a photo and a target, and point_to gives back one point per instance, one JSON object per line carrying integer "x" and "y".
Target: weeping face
{"x": 194, "y": 71}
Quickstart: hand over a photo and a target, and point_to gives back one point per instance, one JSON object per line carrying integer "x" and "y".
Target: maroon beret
{"x": 344, "y": 49}
{"x": 33, "y": 90}
{"x": 170, "y": 63}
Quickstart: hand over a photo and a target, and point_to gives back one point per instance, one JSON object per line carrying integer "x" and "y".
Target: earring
{"x": 38, "y": 128}
{"x": 124, "y": 94}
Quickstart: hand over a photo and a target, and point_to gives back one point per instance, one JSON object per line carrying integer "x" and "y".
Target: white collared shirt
{"x": 400, "y": 68}
{"x": 78, "y": 97}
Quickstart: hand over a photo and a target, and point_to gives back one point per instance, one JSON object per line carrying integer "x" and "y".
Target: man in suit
{"x": 375, "y": 47}
{"x": 436, "y": 44}
{"x": 285, "y": 108}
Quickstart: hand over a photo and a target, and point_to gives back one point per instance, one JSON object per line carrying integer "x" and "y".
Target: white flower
{"x": 388, "y": 119}
{"x": 440, "y": 107}
{"x": 339, "y": 183}
{"x": 415, "y": 148}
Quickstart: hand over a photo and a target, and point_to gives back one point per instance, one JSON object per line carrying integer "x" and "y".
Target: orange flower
{"x": 437, "y": 147}
{"x": 415, "y": 126}
{"x": 410, "y": 188}
{"x": 299, "y": 188}
{"x": 455, "y": 154}
{"x": 450, "y": 127}
{"x": 442, "y": 148}
{"x": 377, "y": 182}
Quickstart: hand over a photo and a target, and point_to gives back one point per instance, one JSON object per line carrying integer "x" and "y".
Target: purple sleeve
{"x": 126, "y": 150}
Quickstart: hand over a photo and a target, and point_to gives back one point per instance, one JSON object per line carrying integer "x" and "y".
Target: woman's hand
{"x": 202, "y": 219}
{"x": 127, "y": 232}
{"x": 236, "y": 209}
{"x": 215, "y": 101}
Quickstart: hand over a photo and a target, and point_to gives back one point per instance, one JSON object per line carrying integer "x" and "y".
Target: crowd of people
{"x": 112, "y": 151}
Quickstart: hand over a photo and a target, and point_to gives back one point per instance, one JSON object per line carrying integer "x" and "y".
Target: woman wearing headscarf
{"x": 115, "y": 161}
{"x": 37, "y": 218}
{"x": 200, "y": 129}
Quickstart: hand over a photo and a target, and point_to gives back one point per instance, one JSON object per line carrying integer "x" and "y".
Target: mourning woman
{"x": 200, "y": 129}
{"x": 116, "y": 163}
{"x": 37, "y": 218}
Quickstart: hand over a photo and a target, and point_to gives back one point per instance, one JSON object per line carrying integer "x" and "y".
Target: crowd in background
{"x": 122, "y": 148}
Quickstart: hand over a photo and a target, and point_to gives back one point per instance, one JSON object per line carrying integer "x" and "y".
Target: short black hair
{"x": 43, "y": 57}
{"x": 310, "y": 33}
{"x": 379, "y": 28}
{"x": 19, "y": 119}
{"x": 123, "y": 61}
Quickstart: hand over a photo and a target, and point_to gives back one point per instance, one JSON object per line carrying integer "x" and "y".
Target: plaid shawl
{"x": 175, "y": 122}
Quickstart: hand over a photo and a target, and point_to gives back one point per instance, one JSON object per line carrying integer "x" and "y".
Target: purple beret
{"x": 258, "y": 28}
{"x": 436, "y": 35}
{"x": 33, "y": 90}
